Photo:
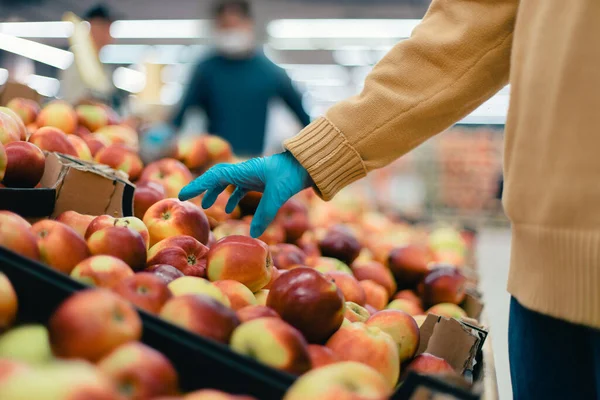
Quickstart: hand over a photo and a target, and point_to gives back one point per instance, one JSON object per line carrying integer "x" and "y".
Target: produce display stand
{"x": 200, "y": 363}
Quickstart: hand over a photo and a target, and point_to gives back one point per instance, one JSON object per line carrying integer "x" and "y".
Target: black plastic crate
{"x": 200, "y": 362}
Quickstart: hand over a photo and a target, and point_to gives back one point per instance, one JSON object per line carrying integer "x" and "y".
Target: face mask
{"x": 234, "y": 42}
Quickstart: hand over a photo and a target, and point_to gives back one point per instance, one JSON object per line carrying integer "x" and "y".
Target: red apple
{"x": 356, "y": 313}
{"x": 10, "y": 368}
{"x": 272, "y": 342}
{"x": 328, "y": 264}
{"x": 119, "y": 134}
{"x": 251, "y": 312}
{"x": 426, "y": 363}
{"x": 202, "y": 315}
{"x": 9, "y": 131}
{"x": 261, "y": 297}
{"x": 275, "y": 274}
{"x": 321, "y": 356}
{"x": 15, "y": 235}
{"x": 368, "y": 345}
{"x": 401, "y": 327}
{"x": 448, "y": 310}
{"x": 16, "y": 122}
{"x": 195, "y": 285}
{"x": 64, "y": 379}
{"x": 407, "y": 306}
{"x": 78, "y": 222}
{"x": 409, "y": 264}
{"x": 123, "y": 243}
{"x": 376, "y": 272}
{"x": 92, "y": 116}
{"x": 231, "y": 228}
{"x": 240, "y": 258}
{"x": 376, "y": 295}
{"x": 25, "y": 165}
{"x": 343, "y": 380}
{"x": 8, "y": 303}
{"x": 170, "y": 173}
{"x": 139, "y": 371}
{"x": 53, "y": 139}
{"x": 26, "y": 109}
{"x": 95, "y": 144}
{"x": 146, "y": 194}
{"x": 218, "y": 149}
{"x": 60, "y": 246}
{"x": 293, "y": 217}
{"x": 58, "y": 114}
{"x": 340, "y": 243}
{"x": 308, "y": 301}
{"x": 191, "y": 151}
{"x": 309, "y": 245}
{"x": 83, "y": 132}
{"x": 212, "y": 394}
{"x": 101, "y": 271}
{"x": 444, "y": 284}
{"x": 287, "y": 256}
{"x": 409, "y": 295}
{"x": 166, "y": 273}
{"x": 238, "y": 294}
{"x": 274, "y": 234}
{"x": 83, "y": 151}
{"x": 171, "y": 217}
{"x": 182, "y": 252}
{"x": 121, "y": 158}
{"x": 92, "y": 323}
{"x": 145, "y": 290}
{"x": 349, "y": 287}
{"x": 105, "y": 221}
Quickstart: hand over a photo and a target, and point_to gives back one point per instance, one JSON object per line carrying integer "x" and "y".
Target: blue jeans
{"x": 551, "y": 358}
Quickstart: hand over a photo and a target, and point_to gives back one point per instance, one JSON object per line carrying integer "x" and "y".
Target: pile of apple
{"x": 327, "y": 286}
{"x": 89, "y": 350}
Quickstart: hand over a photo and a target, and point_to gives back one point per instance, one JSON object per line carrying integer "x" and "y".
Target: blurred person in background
{"x": 462, "y": 53}
{"x": 73, "y": 87}
{"x": 233, "y": 86}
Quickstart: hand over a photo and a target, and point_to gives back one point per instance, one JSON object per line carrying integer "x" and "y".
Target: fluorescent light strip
{"x": 36, "y": 51}
{"x": 341, "y": 28}
{"x": 53, "y": 29}
{"x": 129, "y": 79}
{"x": 160, "y": 29}
{"x": 44, "y": 85}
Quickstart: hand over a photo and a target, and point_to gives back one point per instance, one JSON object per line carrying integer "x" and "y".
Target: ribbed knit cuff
{"x": 325, "y": 153}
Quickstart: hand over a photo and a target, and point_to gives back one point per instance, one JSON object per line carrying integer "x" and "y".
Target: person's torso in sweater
{"x": 236, "y": 99}
{"x": 552, "y": 158}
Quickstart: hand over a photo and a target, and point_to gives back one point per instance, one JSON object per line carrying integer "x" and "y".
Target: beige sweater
{"x": 458, "y": 57}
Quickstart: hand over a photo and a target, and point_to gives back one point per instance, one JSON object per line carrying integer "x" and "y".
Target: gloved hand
{"x": 279, "y": 177}
{"x": 156, "y": 141}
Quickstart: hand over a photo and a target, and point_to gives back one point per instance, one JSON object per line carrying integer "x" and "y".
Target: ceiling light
{"x": 342, "y": 28}
{"x": 36, "y": 51}
{"x": 44, "y": 85}
{"x": 53, "y": 29}
{"x": 160, "y": 29}
{"x": 129, "y": 79}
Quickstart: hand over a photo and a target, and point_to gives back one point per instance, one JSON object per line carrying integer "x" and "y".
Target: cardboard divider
{"x": 69, "y": 184}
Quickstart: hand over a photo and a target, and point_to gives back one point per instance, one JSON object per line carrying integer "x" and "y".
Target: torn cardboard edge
{"x": 80, "y": 186}
{"x": 472, "y": 304}
{"x": 455, "y": 341}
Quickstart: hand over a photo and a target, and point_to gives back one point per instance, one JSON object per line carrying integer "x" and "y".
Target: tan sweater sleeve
{"x": 457, "y": 58}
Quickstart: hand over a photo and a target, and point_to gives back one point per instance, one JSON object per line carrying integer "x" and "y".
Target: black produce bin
{"x": 200, "y": 363}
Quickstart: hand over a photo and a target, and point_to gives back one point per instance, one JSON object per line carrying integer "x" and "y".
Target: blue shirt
{"x": 235, "y": 94}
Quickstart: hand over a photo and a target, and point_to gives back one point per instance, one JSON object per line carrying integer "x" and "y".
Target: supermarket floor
{"x": 493, "y": 255}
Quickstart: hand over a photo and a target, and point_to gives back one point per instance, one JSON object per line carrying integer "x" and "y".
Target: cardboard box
{"x": 13, "y": 89}
{"x": 71, "y": 184}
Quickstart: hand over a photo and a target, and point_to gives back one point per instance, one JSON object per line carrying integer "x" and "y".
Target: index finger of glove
{"x": 212, "y": 178}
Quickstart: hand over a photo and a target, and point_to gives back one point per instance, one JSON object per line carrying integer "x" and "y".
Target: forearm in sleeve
{"x": 457, "y": 58}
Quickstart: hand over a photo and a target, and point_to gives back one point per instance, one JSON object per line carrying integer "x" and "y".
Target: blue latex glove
{"x": 279, "y": 177}
{"x": 156, "y": 140}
